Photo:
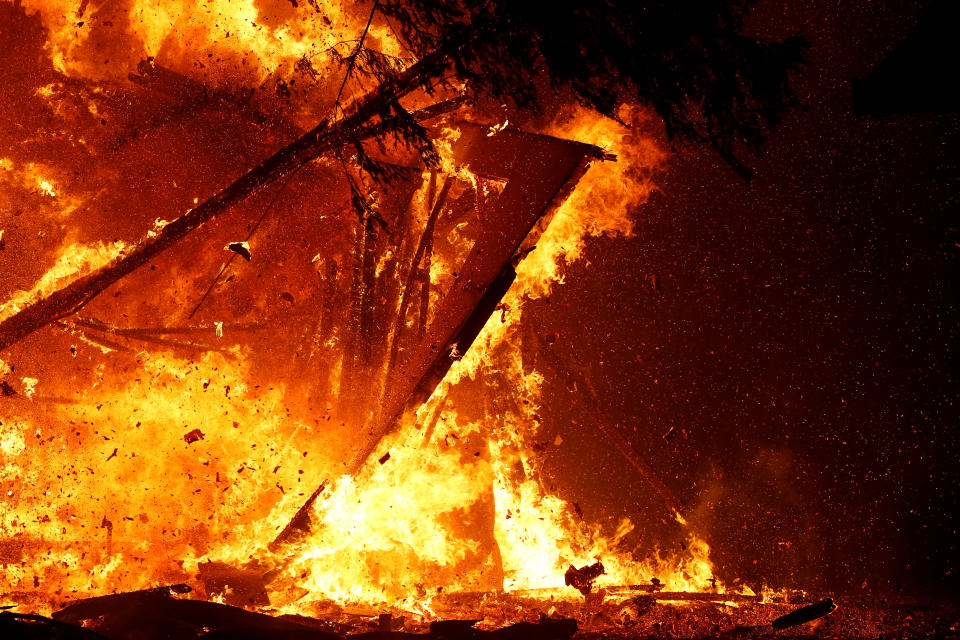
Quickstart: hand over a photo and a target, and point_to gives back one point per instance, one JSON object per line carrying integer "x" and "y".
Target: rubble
{"x": 622, "y": 613}
{"x": 235, "y": 586}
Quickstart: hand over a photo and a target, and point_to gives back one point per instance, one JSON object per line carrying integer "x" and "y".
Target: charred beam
{"x": 141, "y": 336}
{"x": 301, "y": 519}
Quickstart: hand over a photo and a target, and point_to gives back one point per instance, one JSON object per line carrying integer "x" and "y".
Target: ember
{"x": 380, "y": 421}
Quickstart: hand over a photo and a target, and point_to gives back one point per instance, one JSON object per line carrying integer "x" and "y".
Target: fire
{"x": 73, "y": 261}
{"x": 605, "y": 202}
{"x": 32, "y": 177}
{"x": 46, "y": 187}
{"x": 227, "y": 40}
{"x": 156, "y": 462}
{"x": 125, "y": 459}
{"x": 393, "y": 524}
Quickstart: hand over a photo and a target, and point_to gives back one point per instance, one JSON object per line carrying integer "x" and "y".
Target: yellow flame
{"x": 605, "y": 200}
{"x": 46, "y": 187}
{"x": 183, "y": 496}
{"x": 72, "y": 262}
{"x": 243, "y": 40}
{"x": 387, "y": 534}
{"x": 211, "y": 470}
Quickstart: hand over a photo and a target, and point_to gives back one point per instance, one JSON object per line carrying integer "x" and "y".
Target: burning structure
{"x": 265, "y": 273}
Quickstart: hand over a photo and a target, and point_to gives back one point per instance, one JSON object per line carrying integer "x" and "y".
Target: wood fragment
{"x": 300, "y": 521}
{"x": 805, "y": 614}
{"x": 100, "y": 325}
{"x": 582, "y": 578}
{"x": 143, "y": 337}
{"x": 97, "y": 341}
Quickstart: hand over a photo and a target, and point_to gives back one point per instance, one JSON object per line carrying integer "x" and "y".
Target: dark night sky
{"x": 800, "y": 341}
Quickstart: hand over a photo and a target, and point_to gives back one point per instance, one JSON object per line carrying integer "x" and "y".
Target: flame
{"x": 46, "y": 187}
{"x": 72, "y": 262}
{"x": 156, "y": 463}
{"x": 389, "y": 533}
{"x": 32, "y": 177}
{"x": 606, "y": 199}
{"x": 180, "y": 499}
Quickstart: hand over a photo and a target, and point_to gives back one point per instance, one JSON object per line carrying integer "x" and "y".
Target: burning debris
{"x": 192, "y": 436}
{"x": 168, "y": 612}
{"x": 582, "y": 579}
{"x": 154, "y": 615}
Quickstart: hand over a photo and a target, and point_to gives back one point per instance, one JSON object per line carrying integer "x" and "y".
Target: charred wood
{"x": 397, "y": 246}
{"x": 430, "y": 424}
{"x": 89, "y": 608}
{"x": 98, "y": 341}
{"x": 805, "y": 614}
{"x": 94, "y": 323}
{"x": 423, "y": 314}
{"x": 316, "y": 357}
{"x": 444, "y": 628}
{"x": 367, "y": 289}
{"x": 300, "y": 521}
{"x": 134, "y": 335}
{"x": 351, "y": 360}
{"x": 545, "y": 629}
{"x": 407, "y": 288}
{"x": 238, "y": 587}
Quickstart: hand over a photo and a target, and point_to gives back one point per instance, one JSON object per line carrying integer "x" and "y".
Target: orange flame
{"x": 164, "y": 462}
